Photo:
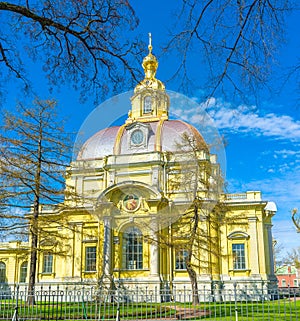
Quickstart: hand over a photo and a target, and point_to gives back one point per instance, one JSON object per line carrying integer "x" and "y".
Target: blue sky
{"x": 263, "y": 138}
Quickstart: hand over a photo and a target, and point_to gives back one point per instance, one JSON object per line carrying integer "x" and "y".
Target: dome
{"x": 148, "y": 128}
{"x": 162, "y": 136}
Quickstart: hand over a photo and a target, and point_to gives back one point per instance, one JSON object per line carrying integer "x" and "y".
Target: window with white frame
{"x": 239, "y": 259}
{"x": 23, "y": 272}
{"x": 48, "y": 263}
{"x": 132, "y": 248}
{"x": 180, "y": 259}
{"x": 2, "y": 272}
{"x": 90, "y": 258}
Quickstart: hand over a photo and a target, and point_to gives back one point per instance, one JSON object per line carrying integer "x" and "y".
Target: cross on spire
{"x": 150, "y": 42}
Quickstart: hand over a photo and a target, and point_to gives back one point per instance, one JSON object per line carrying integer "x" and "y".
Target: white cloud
{"x": 285, "y": 153}
{"x": 245, "y": 119}
{"x": 282, "y": 182}
{"x": 284, "y": 232}
{"x": 284, "y": 191}
{"x": 284, "y": 161}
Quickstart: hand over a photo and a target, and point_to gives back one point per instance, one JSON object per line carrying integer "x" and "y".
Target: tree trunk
{"x": 191, "y": 272}
{"x": 34, "y": 226}
{"x": 33, "y": 260}
{"x": 193, "y": 278}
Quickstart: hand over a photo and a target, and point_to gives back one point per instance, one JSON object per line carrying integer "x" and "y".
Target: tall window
{"x": 132, "y": 249}
{"x": 180, "y": 259}
{"x": 239, "y": 260}
{"x": 90, "y": 259}
{"x": 2, "y": 272}
{"x": 23, "y": 272}
{"x": 47, "y": 263}
{"x": 147, "y": 105}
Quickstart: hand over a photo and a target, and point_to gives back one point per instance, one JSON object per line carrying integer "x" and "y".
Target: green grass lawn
{"x": 284, "y": 309}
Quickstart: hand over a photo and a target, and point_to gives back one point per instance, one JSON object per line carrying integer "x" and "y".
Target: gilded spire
{"x": 150, "y": 42}
{"x": 150, "y": 65}
{"x": 150, "y": 62}
{"x": 150, "y": 101}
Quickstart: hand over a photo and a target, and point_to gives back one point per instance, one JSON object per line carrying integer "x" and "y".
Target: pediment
{"x": 238, "y": 235}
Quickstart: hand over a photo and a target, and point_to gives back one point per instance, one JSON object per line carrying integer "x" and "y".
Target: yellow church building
{"x": 151, "y": 203}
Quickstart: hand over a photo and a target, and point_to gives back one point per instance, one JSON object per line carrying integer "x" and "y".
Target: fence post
{"x": 118, "y": 312}
{"x": 235, "y": 302}
{"x": 15, "y": 316}
{"x": 118, "y": 301}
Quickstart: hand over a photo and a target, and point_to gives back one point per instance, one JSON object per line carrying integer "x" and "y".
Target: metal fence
{"x": 91, "y": 302}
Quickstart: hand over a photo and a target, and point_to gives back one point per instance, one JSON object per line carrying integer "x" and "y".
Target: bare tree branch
{"x": 82, "y": 43}
{"x": 236, "y": 39}
{"x": 34, "y": 152}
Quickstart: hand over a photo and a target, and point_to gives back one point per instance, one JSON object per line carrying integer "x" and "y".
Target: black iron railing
{"x": 94, "y": 302}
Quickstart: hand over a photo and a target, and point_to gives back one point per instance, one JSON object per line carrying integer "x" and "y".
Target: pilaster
{"x": 253, "y": 248}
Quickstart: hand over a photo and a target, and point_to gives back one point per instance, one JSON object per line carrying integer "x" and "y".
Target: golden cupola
{"x": 150, "y": 101}
{"x": 148, "y": 127}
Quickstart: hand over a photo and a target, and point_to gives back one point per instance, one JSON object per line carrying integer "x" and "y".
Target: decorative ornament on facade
{"x": 131, "y": 202}
{"x": 138, "y": 134}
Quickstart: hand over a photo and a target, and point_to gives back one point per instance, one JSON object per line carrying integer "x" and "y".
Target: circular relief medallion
{"x": 131, "y": 202}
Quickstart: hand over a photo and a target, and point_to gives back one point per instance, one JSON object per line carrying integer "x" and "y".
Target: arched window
{"x": 147, "y": 105}
{"x": 132, "y": 258}
{"x": 238, "y": 240}
{"x": 23, "y": 272}
{"x": 2, "y": 272}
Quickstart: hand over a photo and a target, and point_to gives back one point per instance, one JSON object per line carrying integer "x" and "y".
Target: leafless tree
{"x": 296, "y": 218}
{"x": 293, "y": 257}
{"x": 277, "y": 251}
{"x": 82, "y": 42}
{"x": 91, "y": 44}
{"x": 33, "y": 156}
{"x": 195, "y": 235}
{"x": 237, "y": 40}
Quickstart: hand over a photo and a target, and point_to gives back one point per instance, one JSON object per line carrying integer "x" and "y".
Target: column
{"x": 254, "y": 250}
{"x": 154, "y": 251}
{"x": 107, "y": 246}
{"x": 77, "y": 259}
{"x": 154, "y": 257}
{"x": 270, "y": 248}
